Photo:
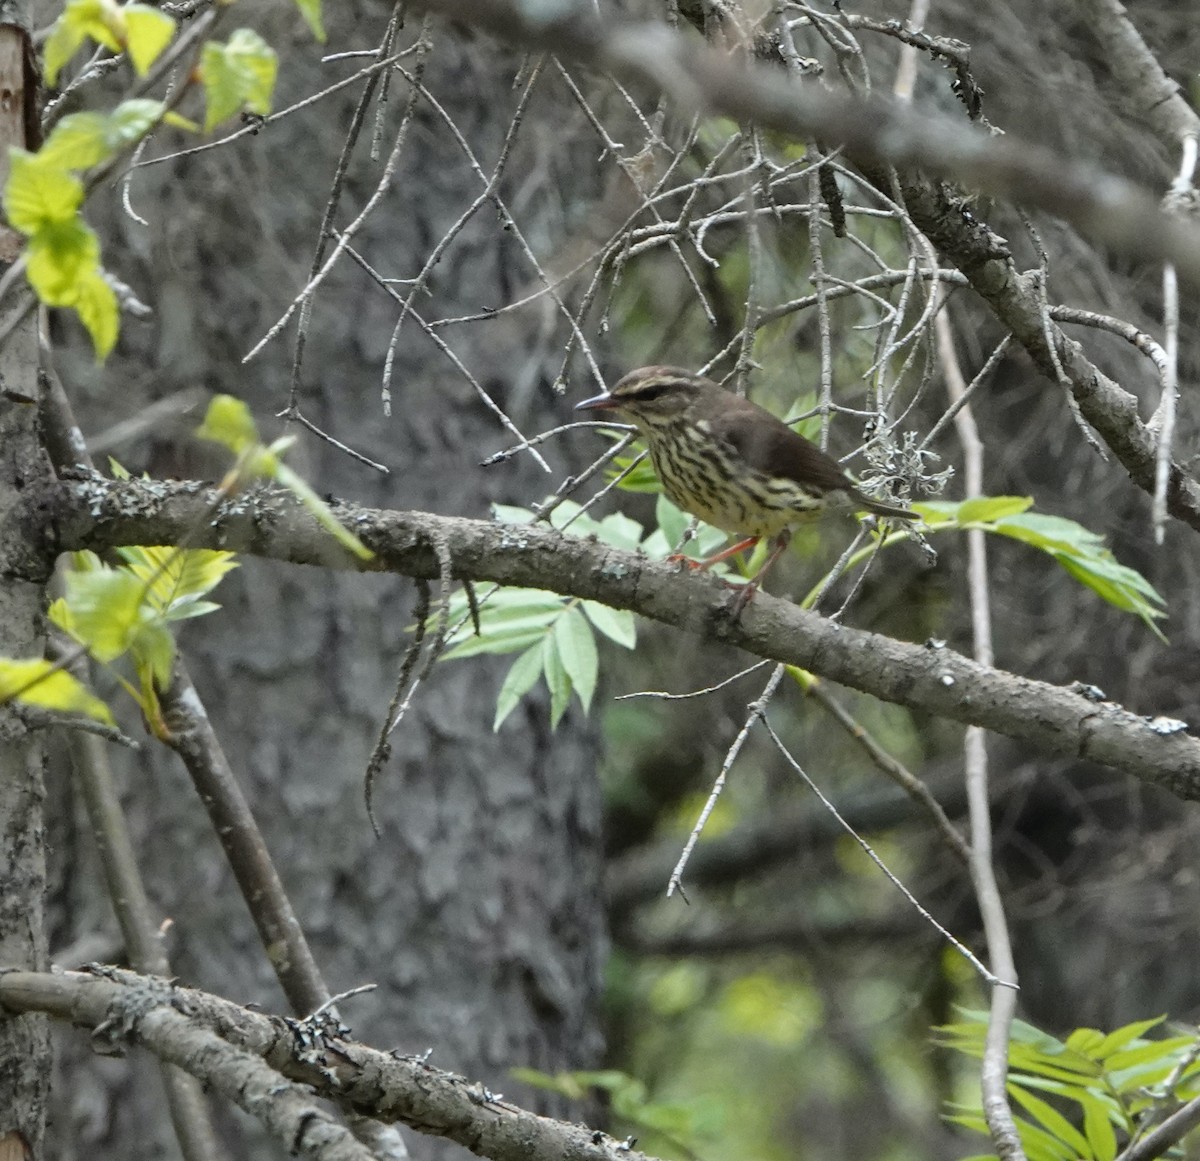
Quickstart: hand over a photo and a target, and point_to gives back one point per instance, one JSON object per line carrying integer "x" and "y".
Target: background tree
{"x": 564, "y": 212}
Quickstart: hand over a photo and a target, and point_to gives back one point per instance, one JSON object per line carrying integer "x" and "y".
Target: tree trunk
{"x": 478, "y": 912}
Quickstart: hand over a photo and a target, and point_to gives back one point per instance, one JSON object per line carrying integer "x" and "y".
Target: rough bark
{"x": 24, "y": 1040}
{"x": 478, "y": 913}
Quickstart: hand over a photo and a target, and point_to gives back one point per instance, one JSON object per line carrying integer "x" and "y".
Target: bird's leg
{"x": 751, "y": 586}
{"x": 716, "y": 558}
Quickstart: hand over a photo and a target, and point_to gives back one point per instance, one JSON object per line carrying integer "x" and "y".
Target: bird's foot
{"x": 742, "y": 599}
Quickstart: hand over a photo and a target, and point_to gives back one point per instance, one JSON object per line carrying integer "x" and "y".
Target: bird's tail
{"x": 879, "y": 508}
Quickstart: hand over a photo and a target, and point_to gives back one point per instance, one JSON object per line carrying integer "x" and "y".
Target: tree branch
{"x": 231, "y": 1047}
{"x": 878, "y": 134}
{"x": 875, "y": 131}
{"x": 97, "y": 513}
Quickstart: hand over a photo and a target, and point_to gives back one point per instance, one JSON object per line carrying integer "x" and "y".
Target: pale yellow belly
{"x": 759, "y": 506}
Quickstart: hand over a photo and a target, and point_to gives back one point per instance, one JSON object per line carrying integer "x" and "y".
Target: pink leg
{"x": 751, "y": 587}
{"x": 724, "y": 554}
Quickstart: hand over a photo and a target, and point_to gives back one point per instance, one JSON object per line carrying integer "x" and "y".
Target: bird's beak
{"x": 603, "y": 402}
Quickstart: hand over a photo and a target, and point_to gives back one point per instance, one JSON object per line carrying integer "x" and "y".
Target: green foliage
{"x": 112, "y": 611}
{"x": 37, "y": 682}
{"x": 1104, "y": 1085}
{"x": 237, "y": 75}
{"x": 42, "y": 200}
{"x": 228, "y": 422}
{"x": 555, "y": 634}
{"x": 1079, "y": 551}
{"x": 138, "y": 29}
{"x": 43, "y": 194}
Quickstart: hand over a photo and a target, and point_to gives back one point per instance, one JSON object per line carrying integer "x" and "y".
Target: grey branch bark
{"x": 241, "y": 1053}
{"x": 878, "y": 132}
{"x": 99, "y": 514}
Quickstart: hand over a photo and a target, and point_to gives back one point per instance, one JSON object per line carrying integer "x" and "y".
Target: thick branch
{"x": 172, "y": 1021}
{"x": 98, "y": 514}
{"x": 1141, "y": 81}
{"x": 875, "y": 131}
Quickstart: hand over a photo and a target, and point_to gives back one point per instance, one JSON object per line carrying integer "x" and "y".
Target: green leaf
{"x": 130, "y": 121}
{"x": 642, "y": 478}
{"x": 153, "y": 650}
{"x": 672, "y": 522}
{"x": 1154, "y": 1053}
{"x": 987, "y": 509}
{"x": 577, "y": 649}
{"x": 99, "y": 311}
{"x": 63, "y": 43}
{"x": 105, "y": 610}
{"x": 311, "y": 11}
{"x": 1099, "y": 1131}
{"x": 53, "y": 689}
{"x": 98, "y": 20}
{"x": 176, "y": 578}
{"x": 237, "y": 75}
{"x": 509, "y": 635}
{"x": 147, "y": 32}
{"x": 1085, "y": 1041}
{"x": 508, "y": 640}
{"x": 78, "y": 141}
{"x": 228, "y": 421}
{"x": 39, "y": 194}
{"x": 1120, "y": 1038}
{"x": 1082, "y": 553}
{"x": 617, "y": 625}
{"x": 1052, "y": 1119}
{"x": 522, "y": 677}
{"x": 63, "y": 257}
{"x": 557, "y": 679}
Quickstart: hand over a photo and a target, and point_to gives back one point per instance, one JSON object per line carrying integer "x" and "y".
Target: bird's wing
{"x": 775, "y": 450}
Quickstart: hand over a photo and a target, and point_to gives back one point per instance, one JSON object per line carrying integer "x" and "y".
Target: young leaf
{"x": 96, "y": 303}
{"x": 228, "y": 421}
{"x": 175, "y": 578}
{"x": 78, "y": 141}
{"x": 62, "y": 256}
{"x": 131, "y": 120}
{"x": 1099, "y": 1131}
{"x": 557, "y": 678}
{"x": 98, "y": 20}
{"x": 39, "y": 194}
{"x": 988, "y": 509}
{"x": 520, "y": 680}
{"x": 577, "y": 650}
{"x": 105, "y": 610}
{"x": 38, "y": 683}
{"x": 237, "y": 75}
{"x": 617, "y": 625}
{"x": 147, "y": 32}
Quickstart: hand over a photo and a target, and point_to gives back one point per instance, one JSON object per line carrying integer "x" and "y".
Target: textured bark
{"x": 24, "y": 1040}
{"x": 479, "y": 913}
{"x": 1076, "y": 720}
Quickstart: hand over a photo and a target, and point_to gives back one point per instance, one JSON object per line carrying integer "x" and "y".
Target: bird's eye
{"x": 650, "y": 391}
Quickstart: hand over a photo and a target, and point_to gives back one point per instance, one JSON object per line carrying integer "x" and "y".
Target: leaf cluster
{"x": 1112, "y": 1085}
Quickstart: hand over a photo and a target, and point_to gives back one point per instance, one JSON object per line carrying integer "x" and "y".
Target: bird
{"x": 732, "y": 463}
